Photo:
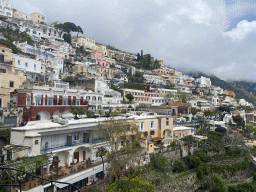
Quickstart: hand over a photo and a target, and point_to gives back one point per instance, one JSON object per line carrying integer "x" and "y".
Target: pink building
{"x": 96, "y": 55}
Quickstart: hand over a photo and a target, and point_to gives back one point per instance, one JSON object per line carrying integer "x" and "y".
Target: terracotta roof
{"x": 176, "y": 104}
{"x": 3, "y": 46}
{"x": 156, "y": 138}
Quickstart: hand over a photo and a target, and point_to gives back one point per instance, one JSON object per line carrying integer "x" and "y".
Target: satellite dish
{"x": 29, "y": 154}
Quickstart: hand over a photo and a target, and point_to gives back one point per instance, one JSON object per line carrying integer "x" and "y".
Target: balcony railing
{"x": 52, "y": 148}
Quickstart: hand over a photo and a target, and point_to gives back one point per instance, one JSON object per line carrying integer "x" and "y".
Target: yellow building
{"x": 9, "y": 80}
{"x": 38, "y": 18}
{"x": 164, "y": 71}
{"x": 155, "y": 130}
{"x": 103, "y": 49}
{"x": 111, "y": 53}
{"x": 86, "y": 42}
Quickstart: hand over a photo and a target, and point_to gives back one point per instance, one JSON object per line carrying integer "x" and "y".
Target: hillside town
{"x": 76, "y": 114}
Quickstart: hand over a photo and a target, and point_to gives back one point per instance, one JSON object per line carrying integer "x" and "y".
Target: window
{"x": 1, "y": 57}
{"x": 77, "y": 102}
{"x": 65, "y": 102}
{"x": 88, "y": 97}
{"x": 152, "y": 124}
{"x": 50, "y": 102}
{"x": 152, "y": 132}
{"x": 36, "y": 142}
{"x": 11, "y": 83}
{"x": 19, "y": 62}
{"x": 142, "y": 126}
{"x": 76, "y": 136}
{"x": 38, "y": 101}
{"x": 26, "y": 64}
{"x": 167, "y": 121}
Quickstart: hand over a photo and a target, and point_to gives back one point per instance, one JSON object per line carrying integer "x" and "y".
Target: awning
{"x": 156, "y": 138}
{"x": 79, "y": 178}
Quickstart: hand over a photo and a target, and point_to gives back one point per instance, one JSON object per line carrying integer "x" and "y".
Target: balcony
{"x": 6, "y": 62}
{"x": 152, "y": 128}
{"x": 52, "y": 147}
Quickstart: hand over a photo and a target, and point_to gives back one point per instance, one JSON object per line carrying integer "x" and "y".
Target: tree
{"x": 77, "y": 110}
{"x": 67, "y": 38}
{"x": 192, "y": 161}
{"x": 71, "y": 26}
{"x": 136, "y": 184}
{"x": 179, "y": 166}
{"x": 101, "y": 152}
{"x": 217, "y": 184}
{"x": 194, "y": 111}
{"x": 159, "y": 162}
{"x": 170, "y": 86}
{"x": 138, "y": 57}
{"x": 129, "y": 96}
{"x": 124, "y": 140}
{"x": 182, "y": 97}
{"x": 169, "y": 96}
{"x": 62, "y": 27}
{"x": 89, "y": 114}
{"x": 208, "y": 113}
{"x": 79, "y": 30}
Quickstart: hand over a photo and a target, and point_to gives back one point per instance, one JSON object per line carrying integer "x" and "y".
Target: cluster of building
{"x": 36, "y": 101}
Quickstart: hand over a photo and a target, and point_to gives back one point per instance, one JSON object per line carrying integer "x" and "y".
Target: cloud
{"x": 191, "y": 34}
{"x": 243, "y": 28}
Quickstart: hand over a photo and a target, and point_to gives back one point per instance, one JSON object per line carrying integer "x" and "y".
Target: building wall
{"x": 8, "y": 78}
{"x": 4, "y": 96}
{"x": 86, "y": 42}
{"x": 27, "y": 66}
{"x": 38, "y": 18}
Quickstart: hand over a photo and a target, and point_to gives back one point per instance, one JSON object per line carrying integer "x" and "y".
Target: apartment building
{"x": 6, "y": 8}
{"x": 86, "y": 42}
{"x": 31, "y": 68}
{"x": 98, "y": 59}
{"x": 38, "y": 18}
{"x": 9, "y": 80}
{"x": 44, "y": 102}
{"x": 24, "y": 16}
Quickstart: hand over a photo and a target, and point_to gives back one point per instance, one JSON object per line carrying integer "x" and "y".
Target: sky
{"x": 212, "y": 36}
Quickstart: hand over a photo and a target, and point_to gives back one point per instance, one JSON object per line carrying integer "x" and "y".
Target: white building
{"x": 204, "y": 82}
{"x": 6, "y": 8}
{"x": 20, "y": 15}
{"x": 216, "y": 91}
{"x": 30, "y": 67}
{"x": 153, "y": 79}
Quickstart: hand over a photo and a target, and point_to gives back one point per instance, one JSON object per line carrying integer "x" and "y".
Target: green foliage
{"x": 62, "y": 27}
{"x": 224, "y": 108}
{"x": 208, "y": 113}
{"x": 71, "y": 26}
{"x": 170, "y": 86}
{"x": 1, "y": 113}
{"x": 200, "y": 174}
{"x": 243, "y": 187}
{"x": 148, "y": 62}
{"x": 67, "y": 38}
{"x": 179, "y": 166}
{"x": 194, "y": 111}
{"x": 77, "y": 110}
{"x": 10, "y": 45}
{"x": 136, "y": 184}
{"x": 160, "y": 163}
{"x": 182, "y": 97}
{"x": 89, "y": 114}
{"x": 192, "y": 162}
{"x": 4, "y": 179}
{"x": 138, "y": 77}
{"x": 201, "y": 154}
{"x": 6, "y": 135}
{"x": 239, "y": 121}
{"x": 129, "y": 97}
{"x": 217, "y": 184}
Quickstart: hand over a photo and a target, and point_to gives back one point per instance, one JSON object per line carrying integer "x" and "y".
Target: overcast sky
{"x": 214, "y": 36}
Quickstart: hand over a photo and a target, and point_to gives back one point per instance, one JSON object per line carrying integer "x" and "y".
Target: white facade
{"x": 6, "y": 8}
{"x": 203, "y": 82}
{"x": 30, "y": 67}
{"x": 157, "y": 101}
{"x": 153, "y": 79}
{"x": 216, "y": 91}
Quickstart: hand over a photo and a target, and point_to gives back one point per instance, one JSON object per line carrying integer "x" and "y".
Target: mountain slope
{"x": 247, "y": 86}
{"x": 240, "y": 92}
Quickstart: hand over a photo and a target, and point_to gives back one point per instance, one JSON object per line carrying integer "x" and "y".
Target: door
{"x": 84, "y": 155}
{"x": 76, "y": 156}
